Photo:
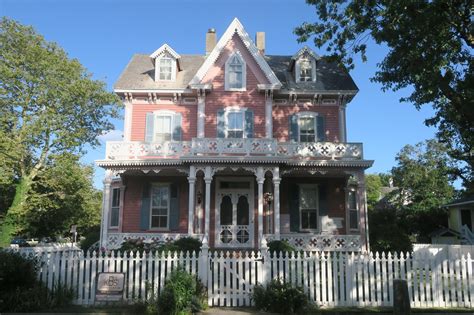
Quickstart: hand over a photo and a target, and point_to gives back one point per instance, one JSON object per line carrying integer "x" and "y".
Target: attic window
{"x": 235, "y": 74}
{"x": 166, "y": 68}
{"x": 305, "y": 69}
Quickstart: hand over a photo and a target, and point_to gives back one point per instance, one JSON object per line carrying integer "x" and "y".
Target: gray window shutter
{"x": 150, "y": 119}
{"x": 323, "y": 200}
{"x": 174, "y": 207}
{"x": 145, "y": 208}
{"x": 321, "y": 129}
{"x": 294, "y": 208}
{"x": 293, "y": 128}
{"x": 249, "y": 123}
{"x": 177, "y": 129}
{"x": 220, "y": 124}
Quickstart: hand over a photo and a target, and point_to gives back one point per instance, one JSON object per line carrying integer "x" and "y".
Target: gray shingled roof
{"x": 139, "y": 75}
{"x": 140, "y": 71}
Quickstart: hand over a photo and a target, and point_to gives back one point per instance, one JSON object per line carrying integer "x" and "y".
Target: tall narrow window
{"x": 160, "y": 204}
{"x": 235, "y": 73}
{"x": 115, "y": 208}
{"x": 235, "y": 125}
{"x": 163, "y": 128}
{"x": 309, "y": 207}
{"x": 307, "y": 128}
{"x": 353, "y": 211}
{"x": 166, "y": 68}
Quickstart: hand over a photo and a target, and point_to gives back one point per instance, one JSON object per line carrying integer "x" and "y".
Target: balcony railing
{"x": 121, "y": 150}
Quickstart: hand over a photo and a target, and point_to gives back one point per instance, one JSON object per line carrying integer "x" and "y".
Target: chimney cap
{"x": 211, "y": 30}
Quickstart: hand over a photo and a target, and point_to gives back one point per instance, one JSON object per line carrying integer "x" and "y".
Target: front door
{"x": 234, "y": 213}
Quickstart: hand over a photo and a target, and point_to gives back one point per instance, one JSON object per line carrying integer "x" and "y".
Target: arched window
{"x": 235, "y": 76}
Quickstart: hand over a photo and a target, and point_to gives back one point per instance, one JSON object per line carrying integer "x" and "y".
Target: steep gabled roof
{"x": 236, "y": 28}
{"x": 165, "y": 48}
{"x": 307, "y": 50}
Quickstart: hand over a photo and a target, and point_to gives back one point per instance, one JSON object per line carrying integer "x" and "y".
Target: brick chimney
{"x": 210, "y": 40}
{"x": 260, "y": 42}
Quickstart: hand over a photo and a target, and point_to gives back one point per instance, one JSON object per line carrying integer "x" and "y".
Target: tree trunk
{"x": 12, "y": 223}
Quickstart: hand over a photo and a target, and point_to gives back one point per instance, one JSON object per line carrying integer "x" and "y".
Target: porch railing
{"x": 123, "y": 150}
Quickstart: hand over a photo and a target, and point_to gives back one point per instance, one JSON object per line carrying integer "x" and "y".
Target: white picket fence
{"x": 330, "y": 279}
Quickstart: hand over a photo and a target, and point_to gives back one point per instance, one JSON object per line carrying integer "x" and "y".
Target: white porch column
{"x": 260, "y": 180}
{"x": 268, "y": 114}
{"x": 276, "y": 202}
{"x": 105, "y": 209}
{"x": 201, "y": 110}
{"x": 207, "y": 209}
{"x": 192, "y": 182}
{"x": 362, "y": 204}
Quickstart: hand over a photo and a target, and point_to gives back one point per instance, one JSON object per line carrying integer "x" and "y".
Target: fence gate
{"x": 232, "y": 276}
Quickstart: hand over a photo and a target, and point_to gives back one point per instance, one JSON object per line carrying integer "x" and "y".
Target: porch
{"x": 235, "y": 206}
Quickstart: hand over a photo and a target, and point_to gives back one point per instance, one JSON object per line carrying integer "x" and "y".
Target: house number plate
{"x": 110, "y": 286}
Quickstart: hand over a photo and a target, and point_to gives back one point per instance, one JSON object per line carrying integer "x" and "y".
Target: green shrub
{"x": 182, "y": 294}
{"x": 184, "y": 244}
{"x": 91, "y": 238}
{"x": 280, "y": 246}
{"x": 20, "y": 291}
{"x": 280, "y": 297}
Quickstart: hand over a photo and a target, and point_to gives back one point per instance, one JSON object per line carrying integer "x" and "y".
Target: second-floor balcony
{"x": 132, "y": 150}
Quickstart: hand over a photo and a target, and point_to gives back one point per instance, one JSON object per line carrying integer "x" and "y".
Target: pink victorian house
{"x": 234, "y": 146}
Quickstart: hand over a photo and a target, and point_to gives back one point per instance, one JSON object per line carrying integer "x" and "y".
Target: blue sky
{"x": 104, "y": 34}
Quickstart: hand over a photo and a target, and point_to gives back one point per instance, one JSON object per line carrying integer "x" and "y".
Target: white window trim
{"x": 317, "y": 208}
{"x": 167, "y": 228}
{"x": 234, "y": 109}
{"x": 348, "y": 209}
{"x": 312, "y": 115}
{"x": 298, "y": 68}
{"x": 111, "y": 206}
{"x": 163, "y": 113}
{"x": 173, "y": 67}
{"x": 244, "y": 73}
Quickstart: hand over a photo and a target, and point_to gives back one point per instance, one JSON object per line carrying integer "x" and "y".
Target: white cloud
{"x": 112, "y": 135}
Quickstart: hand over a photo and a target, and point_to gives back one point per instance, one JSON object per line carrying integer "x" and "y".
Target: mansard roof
{"x": 329, "y": 76}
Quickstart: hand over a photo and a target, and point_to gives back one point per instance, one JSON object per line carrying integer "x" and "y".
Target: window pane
{"x": 353, "y": 220}
{"x": 163, "y": 124}
{"x": 309, "y": 219}
{"x": 352, "y": 200}
{"x": 160, "y": 197}
{"x": 242, "y": 211}
{"x": 226, "y": 211}
{"x": 115, "y": 197}
{"x": 306, "y": 124}
{"x": 308, "y": 198}
{"x": 114, "y": 216}
{"x": 235, "y": 134}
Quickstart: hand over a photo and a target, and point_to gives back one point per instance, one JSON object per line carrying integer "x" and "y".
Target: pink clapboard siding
{"x": 133, "y": 201}
{"x": 188, "y": 112}
{"x": 219, "y": 98}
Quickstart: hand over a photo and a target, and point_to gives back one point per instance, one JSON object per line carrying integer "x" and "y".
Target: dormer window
{"x": 166, "y": 63}
{"x": 306, "y": 70}
{"x": 235, "y": 73}
{"x": 304, "y": 65}
{"x": 166, "y": 68}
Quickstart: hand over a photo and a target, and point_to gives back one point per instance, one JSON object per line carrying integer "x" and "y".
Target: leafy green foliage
{"x": 280, "y": 297}
{"x": 50, "y": 104}
{"x": 181, "y": 295}
{"x": 91, "y": 237}
{"x": 387, "y": 233}
{"x": 279, "y": 246}
{"x": 430, "y": 48}
{"x": 20, "y": 291}
{"x": 373, "y": 184}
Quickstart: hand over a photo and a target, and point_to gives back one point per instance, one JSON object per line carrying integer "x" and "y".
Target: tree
{"x": 61, "y": 196}
{"x": 374, "y": 189}
{"x": 430, "y": 45}
{"x": 423, "y": 182}
{"x": 49, "y": 104}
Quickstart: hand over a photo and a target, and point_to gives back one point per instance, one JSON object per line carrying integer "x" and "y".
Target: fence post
{"x": 266, "y": 263}
{"x": 203, "y": 264}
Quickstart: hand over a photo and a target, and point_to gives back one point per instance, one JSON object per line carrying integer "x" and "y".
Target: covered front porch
{"x": 238, "y": 206}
